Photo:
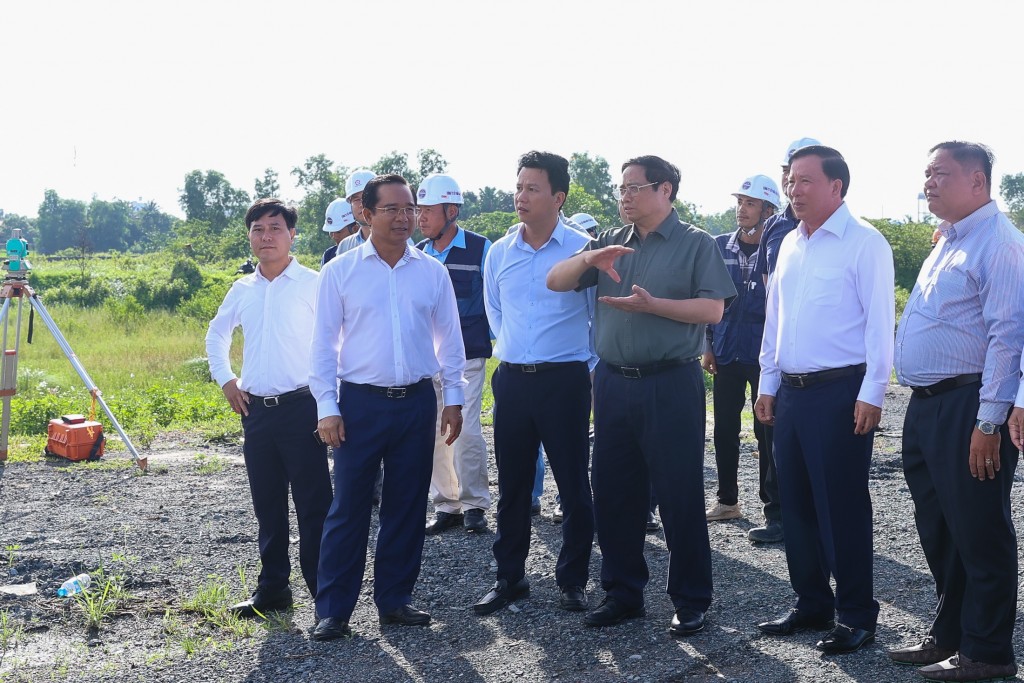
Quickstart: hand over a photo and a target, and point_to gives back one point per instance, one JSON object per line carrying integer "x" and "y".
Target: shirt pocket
{"x": 951, "y": 297}
{"x": 826, "y": 286}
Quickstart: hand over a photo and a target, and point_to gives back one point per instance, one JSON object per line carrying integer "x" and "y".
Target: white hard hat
{"x": 339, "y": 215}
{"x": 585, "y": 221}
{"x": 357, "y": 181}
{"x": 759, "y": 187}
{"x": 798, "y": 144}
{"x": 438, "y": 188}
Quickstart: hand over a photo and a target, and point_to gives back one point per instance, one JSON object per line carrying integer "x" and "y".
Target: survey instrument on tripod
{"x": 15, "y": 287}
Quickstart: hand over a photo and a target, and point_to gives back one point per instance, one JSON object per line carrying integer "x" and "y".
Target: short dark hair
{"x": 271, "y": 207}
{"x": 371, "y": 193}
{"x": 969, "y": 154}
{"x": 657, "y": 170}
{"x": 557, "y": 168}
{"x": 832, "y": 163}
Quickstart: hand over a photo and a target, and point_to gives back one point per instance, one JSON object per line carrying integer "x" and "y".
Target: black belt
{"x": 946, "y": 385}
{"x": 539, "y": 367}
{"x": 641, "y": 371}
{"x": 391, "y": 392}
{"x": 274, "y": 401}
{"x": 806, "y": 379}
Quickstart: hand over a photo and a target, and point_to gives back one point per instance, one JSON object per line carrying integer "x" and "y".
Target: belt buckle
{"x": 797, "y": 381}
{"x": 271, "y": 401}
{"x": 631, "y": 373}
{"x": 396, "y": 392}
{"x": 529, "y": 367}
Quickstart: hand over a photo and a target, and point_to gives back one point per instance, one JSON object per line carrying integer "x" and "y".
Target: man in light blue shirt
{"x": 542, "y": 386}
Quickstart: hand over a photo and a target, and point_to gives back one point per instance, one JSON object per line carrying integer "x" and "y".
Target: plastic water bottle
{"x": 75, "y": 585}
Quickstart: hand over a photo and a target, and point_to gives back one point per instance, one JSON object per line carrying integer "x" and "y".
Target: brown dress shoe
{"x": 959, "y": 668}
{"x": 924, "y": 653}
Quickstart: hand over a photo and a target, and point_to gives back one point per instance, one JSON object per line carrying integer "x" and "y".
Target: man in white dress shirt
{"x": 825, "y": 363}
{"x": 386, "y": 322}
{"x": 274, "y": 307}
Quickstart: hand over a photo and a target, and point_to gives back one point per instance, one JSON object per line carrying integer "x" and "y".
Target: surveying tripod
{"x": 15, "y": 286}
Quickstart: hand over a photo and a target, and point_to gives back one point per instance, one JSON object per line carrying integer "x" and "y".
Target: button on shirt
{"x": 831, "y": 304}
{"x": 531, "y": 323}
{"x": 276, "y": 317}
{"x": 385, "y": 326}
{"x": 675, "y": 261}
{"x": 965, "y": 314}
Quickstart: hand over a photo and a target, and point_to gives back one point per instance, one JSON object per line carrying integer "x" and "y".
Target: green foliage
{"x": 323, "y": 182}
{"x": 487, "y": 200}
{"x": 1011, "y": 187}
{"x": 428, "y": 161}
{"x": 210, "y": 198}
{"x": 268, "y": 186}
{"x": 580, "y": 201}
{"x": 594, "y": 176}
{"x": 102, "y": 599}
{"x": 719, "y": 223}
{"x": 911, "y": 243}
{"x": 61, "y": 223}
{"x": 493, "y": 225}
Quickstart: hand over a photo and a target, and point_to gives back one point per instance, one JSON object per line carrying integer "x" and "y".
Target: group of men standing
{"x": 799, "y": 306}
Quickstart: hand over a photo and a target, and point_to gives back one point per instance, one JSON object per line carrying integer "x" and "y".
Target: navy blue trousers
{"x": 279, "y": 450}
{"x": 400, "y": 433}
{"x": 649, "y": 433}
{"x": 551, "y": 406}
{"x": 823, "y": 482}
{"x": 965, "y": 525}
{"x": 729, "y": 395}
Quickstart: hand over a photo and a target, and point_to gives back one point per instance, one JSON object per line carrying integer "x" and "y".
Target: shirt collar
{"x": 964, "y": 227}
{"x": 733, "y": 244}
{"x": 366, "y": 250}
{"x": 557, "y": 235}
{"x": 459, "y": 241}
{"x": 665, "y": 228}
{"x": 836, "y": 223}
{"x": 289, "y": 271}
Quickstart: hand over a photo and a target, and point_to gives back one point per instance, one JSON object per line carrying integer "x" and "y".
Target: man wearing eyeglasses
{"x": 542, "y": 385}
{"x": 386, "y": 323}
{"x": 354, "y": 186}
{"x": 659, "y": 283}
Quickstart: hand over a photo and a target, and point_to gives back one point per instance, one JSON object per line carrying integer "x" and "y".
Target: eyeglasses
{"x": 396, "y": 211}
{"x": 629, "y": 190}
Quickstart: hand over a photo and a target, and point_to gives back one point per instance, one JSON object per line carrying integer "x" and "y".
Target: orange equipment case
{"x": 75, "y": 438}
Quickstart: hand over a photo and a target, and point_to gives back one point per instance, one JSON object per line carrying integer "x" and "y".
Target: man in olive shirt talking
{"x": 659, "y": 282}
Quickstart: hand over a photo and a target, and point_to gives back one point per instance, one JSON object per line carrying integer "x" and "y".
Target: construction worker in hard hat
{"x": 459, "y": 485}
{"x": 731, "y": 356}
{"x": 585, "y": 221}
{"x": 779, "y": 225}
{"x": 339, "y": 223}
{"x": 354, "y": 185}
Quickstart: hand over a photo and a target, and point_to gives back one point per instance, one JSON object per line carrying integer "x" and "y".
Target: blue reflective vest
{"x": 737, "y": 339}
{"x": 464, "y": 268}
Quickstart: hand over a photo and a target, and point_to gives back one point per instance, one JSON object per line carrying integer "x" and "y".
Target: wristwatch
{"x": 986, "y": 428}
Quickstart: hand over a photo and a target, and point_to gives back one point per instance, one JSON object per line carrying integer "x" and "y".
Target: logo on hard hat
{"x": 358, "y": 182}
{"x": 422, "y": 193}
{"x": 330, "y": 220}
{"x": 746, "y": 185}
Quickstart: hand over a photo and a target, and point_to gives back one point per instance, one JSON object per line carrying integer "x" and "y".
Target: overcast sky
{"x": 122, "y": 99}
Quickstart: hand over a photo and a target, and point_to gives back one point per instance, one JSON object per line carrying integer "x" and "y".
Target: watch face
{"x": 986, "y": 428}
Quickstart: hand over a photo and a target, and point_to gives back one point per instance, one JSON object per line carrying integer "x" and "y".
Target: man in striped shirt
{"x": 958, "y": 345}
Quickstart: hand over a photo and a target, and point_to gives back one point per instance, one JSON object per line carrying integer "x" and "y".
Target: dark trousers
{"x": 965, "y": 526}
{"x": 823, "y": 480}
{"x": 400, "y": 433}
{"x": 729, "y": 395}
{"x": 279, "y": 450}
{"x": 551, "y": 406}
{"x": 649, "y": 433}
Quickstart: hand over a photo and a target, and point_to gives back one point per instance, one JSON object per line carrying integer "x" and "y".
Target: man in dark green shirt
{"x": 659, "y": 282}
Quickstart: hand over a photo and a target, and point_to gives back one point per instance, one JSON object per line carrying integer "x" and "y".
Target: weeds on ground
{"x": 210, "y": 464}
{"x": 98, "y": 602}
{"x": 10, "y": 634}
{"x": 11, "y": 551}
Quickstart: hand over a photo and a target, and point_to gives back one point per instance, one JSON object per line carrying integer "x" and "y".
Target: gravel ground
{"x": 190, "y": 519}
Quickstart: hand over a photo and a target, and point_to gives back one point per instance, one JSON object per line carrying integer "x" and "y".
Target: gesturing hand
{"x": 604, "y": 259}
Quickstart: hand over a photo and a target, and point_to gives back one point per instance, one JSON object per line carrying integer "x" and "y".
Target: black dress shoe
{"x": 474, "y": 520}
{"x": 263, "y": 601}
{"x": 574, "y": 599}
{"x": 843, "y": 639}
{"x": 331, "y": 628}
{"x": 442, "y": 521}
{"x": 406, "y": 615}
{"x": 501, "y": 595}
{"x": 686, "y": 622}
{"x": 611, "y": 612}
{"x": 796, "y": 621}
{"x": 924, "y": 653}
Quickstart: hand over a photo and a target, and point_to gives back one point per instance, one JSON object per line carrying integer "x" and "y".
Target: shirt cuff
{"x": 768, "y": 384}
{"x": 873, "y": 393}
{"x": 224, "y": 378}
{"x": 326, "y": 408}
{"x": 453, "y": 396}
{"x": 994, "y": 412}
{"x": 1020, "y": 396}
